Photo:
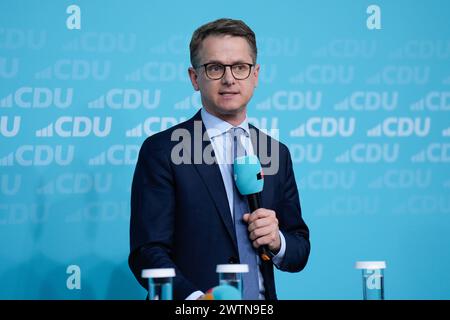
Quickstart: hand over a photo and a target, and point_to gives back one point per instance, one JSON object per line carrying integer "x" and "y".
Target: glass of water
{"x": 231, "y": 274}
{"x": 372, "y": 279}
{"x": 159, "y": 283}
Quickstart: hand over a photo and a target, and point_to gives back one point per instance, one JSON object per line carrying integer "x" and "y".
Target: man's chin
{"x": 231, "y": 109}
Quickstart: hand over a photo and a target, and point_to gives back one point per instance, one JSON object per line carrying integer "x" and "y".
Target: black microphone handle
{"x": 254, "y": 202}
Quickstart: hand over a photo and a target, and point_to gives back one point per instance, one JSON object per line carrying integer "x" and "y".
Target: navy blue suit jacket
{"x": 180, "y": 217}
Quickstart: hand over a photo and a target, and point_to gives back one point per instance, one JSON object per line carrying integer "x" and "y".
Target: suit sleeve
{"x": 152, "y": 218}
{"x": 291, "y": 223}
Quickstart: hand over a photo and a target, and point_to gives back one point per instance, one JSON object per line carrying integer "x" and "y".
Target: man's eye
{"x": 215, "y": 67}
{"x": 241, "y": 67}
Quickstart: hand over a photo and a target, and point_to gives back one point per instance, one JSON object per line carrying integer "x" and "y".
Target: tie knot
{"x": 238, "y": 148}
{"x": 237, "y": 131}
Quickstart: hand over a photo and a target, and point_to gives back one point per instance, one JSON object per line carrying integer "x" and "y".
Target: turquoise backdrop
{"x": 359, "y": 93}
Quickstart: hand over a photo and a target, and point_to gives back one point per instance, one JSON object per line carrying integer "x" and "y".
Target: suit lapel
{"x": 255, "y": 138}
{"x": 212, "y": 178}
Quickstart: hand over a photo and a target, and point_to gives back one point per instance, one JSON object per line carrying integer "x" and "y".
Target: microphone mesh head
{"x": 248, "y": 174}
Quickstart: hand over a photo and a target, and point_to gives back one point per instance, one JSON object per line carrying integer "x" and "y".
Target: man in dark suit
{"x": 183, "y": 212}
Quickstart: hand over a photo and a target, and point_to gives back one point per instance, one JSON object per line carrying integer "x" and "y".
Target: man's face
{"x": 227, "y": 97}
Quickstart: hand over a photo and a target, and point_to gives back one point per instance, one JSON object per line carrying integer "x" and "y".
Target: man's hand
{"x": 263, "y": 228}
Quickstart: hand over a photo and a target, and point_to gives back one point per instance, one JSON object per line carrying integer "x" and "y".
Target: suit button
{"x": 232, "y": 260}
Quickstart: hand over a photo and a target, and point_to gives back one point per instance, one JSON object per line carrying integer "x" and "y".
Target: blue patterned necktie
{"x": 247, "y": 254}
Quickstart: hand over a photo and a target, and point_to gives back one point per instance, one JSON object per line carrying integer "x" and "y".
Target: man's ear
{"x": 256, "y": 74}
{"x": 193, "y": 77}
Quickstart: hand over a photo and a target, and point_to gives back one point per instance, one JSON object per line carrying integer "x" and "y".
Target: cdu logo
{"x": 329, "y": 179}
{"x": 67, "y": 127}
{"x": 77, "y": 183}
{"x": 369, "y": 101}
{"x": 41, "y": 97}
{"x": 424, "y": 204}
{"x": 350, "y": 205}
{"x": 101, "y": 211}
{"x": 347, "y": 48}
{"x": 325, "y": 127}
{"x": 116, "y": 155}
{"x": 402, "y": 179}
{"x": 325, "y": 74}
{"x": 66, "y": 69}
{"x": 39, "y": 155}
{"x": 401, "y": 75}
{"x": 127, "y": 99}
{"x": 401, "y": 127}
{"x": 292, "y": 100}
{"x": 370, "y": 153}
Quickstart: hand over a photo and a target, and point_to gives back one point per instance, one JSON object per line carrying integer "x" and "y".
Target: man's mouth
{"x": 228, "y": 93}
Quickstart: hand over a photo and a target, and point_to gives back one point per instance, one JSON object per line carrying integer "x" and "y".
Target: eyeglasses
{"x": 216, "y": 71}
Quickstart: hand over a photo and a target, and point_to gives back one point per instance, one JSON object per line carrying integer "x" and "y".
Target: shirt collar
{"x": 216, "y": 127}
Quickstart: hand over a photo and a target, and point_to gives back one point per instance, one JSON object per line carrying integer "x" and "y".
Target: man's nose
{"x": 228, "y": 77}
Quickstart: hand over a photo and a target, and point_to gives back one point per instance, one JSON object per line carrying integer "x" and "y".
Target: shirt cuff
{"x": 278, "y": 258}
{"x": 194, "y": 295}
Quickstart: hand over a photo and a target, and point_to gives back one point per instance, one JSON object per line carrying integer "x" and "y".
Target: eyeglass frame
{"x": 225, "y": 69}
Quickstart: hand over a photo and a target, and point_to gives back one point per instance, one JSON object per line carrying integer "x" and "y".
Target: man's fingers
{"x": 261, "y": 241}
{"x": 260, "y": 223}
{"x": 260, "y": 213}
{"x": 260, "y": 232}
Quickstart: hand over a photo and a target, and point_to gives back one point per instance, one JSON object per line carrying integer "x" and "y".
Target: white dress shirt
{"x": 220, "y": 135}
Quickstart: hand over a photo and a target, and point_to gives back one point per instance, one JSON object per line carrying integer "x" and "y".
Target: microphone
{"x": 249, "y": 180}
